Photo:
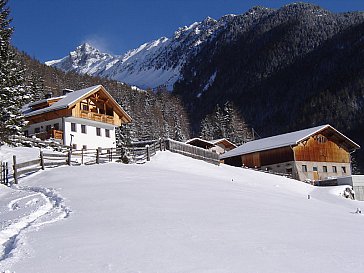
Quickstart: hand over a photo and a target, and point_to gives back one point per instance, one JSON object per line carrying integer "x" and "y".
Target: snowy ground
{"x": 176, "y": 214}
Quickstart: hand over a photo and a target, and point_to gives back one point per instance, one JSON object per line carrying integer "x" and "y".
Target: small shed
{"x": 218, "y": 146}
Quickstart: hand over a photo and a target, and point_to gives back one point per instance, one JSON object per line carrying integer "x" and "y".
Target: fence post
{"x": 69, "y": 158}
{"x": 82, "y": 156}
{"x": 6, "y": 173}
{"x": 15, "y": 170}
{"x": 2, "y": 172}
{"x": 41, "y": 159}
{"x": 110, "y": 155}
{"x": 97, "y": 156}
{"x": 148, "y": 152}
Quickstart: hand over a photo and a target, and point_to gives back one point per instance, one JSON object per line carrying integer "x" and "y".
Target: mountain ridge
{"x": 152, "y": 64}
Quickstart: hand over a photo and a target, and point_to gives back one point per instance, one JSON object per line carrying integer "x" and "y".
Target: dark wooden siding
{"x": 321, "y": 149}
{"x": 234, "y": 161}
{"x": 268, "y": 157}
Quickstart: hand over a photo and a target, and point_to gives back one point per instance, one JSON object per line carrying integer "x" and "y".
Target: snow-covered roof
{"x": 64, "y": 102}
{"x": 217, "y": 141}
{"x": 192, "y": 140}
{"x": 283, "y": 140}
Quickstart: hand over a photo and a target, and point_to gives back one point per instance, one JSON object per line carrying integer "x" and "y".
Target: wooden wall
{"x": 321, "y": 149}
{"x": 268, "y": 157}
{"x": 233, "y": 161}
{"x": 50, "y": 116}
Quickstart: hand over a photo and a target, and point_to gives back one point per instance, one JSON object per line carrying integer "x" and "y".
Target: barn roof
{"x": 290, "y": 139}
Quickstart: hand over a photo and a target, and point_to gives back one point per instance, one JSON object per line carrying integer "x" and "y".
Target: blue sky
{"x": 50, "y": 29}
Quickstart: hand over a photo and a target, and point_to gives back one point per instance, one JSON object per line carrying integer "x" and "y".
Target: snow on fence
{"x": 4, "y": 173}
{"x": 192, "y": 151}
{"x": 36, "y": 142}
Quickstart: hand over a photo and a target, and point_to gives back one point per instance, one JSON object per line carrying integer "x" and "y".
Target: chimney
{"x": 66, "y": 91}
{"x": 48, "y": 95}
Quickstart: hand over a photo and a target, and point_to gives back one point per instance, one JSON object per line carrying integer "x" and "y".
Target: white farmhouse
{"x": 83, "y": 119}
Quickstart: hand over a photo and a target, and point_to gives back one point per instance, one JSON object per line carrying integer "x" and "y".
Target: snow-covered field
{"x": 175, "y": 214}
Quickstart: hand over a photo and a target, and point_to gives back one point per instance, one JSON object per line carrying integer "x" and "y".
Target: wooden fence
{"x": 192, "y": 151}
{"x": 4, "y": 173}
{"x": 143, "y": 154}
{"x": 78, "y": 157}
{"x": 44, "y": 160}
{"x": 102, "y": 155}
{"x": 94, "y": 156}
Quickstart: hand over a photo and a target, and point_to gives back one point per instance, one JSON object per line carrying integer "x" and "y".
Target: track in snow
{"x": 34, "y": 208}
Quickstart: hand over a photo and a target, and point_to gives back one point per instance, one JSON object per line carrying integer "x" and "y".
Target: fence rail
{"x": 44, "y": 160}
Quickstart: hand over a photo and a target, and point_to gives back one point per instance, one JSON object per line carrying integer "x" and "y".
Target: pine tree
{"x": 12, "y": 91}
{"x": 35, "y": 85}
{"x": 225, "y": 122}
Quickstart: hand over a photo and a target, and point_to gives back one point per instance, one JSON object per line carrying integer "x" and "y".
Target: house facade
{"x": 82, "y": 119}
{"x": 317, "y": 153}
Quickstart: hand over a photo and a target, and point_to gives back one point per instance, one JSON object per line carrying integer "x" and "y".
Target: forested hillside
{"x": 292, "y": 68}
{"x": 155, "y": 114}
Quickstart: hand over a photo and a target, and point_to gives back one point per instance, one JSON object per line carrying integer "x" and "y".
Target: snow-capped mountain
{"x": 152, "y": 64}
{"x": 85, "y": 60}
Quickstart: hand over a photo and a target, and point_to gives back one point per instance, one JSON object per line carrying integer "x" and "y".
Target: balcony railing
{"x": 97, "y": 117}
{"x": 56, "y": 134}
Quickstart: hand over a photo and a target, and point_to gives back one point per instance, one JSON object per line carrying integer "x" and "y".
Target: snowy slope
{"x": 176, "y": 214}
{"x": 152, "y": 64}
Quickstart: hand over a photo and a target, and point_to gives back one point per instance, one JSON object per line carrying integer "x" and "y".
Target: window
{"x": 107, "y": 132}
{"x": 56, "y": 126}
{"x": 37, "y": 130}
{"x": 48, "y": 128}
{"x": 98, "y": 131}
{"x": 84, "y": 147}
{"x": 83, "y": 129}
{"x": 84, "y": 107}
{"x": 343, "y": 168}
{"x": 314, "y": 168}
{"x": 73, "y": 127}
{"x": 334, "y": 169}
{"x": 324, "y": 169}
{"x": 109, "y": 111}
{"x": 304, "y": 168}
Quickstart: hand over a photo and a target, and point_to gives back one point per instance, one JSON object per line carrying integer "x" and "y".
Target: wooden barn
{"x": 317, "y": 153}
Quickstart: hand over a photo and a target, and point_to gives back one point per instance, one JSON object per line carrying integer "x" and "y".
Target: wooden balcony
{"x": 96, "y": 117}
{"x": 56, "y": 134}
